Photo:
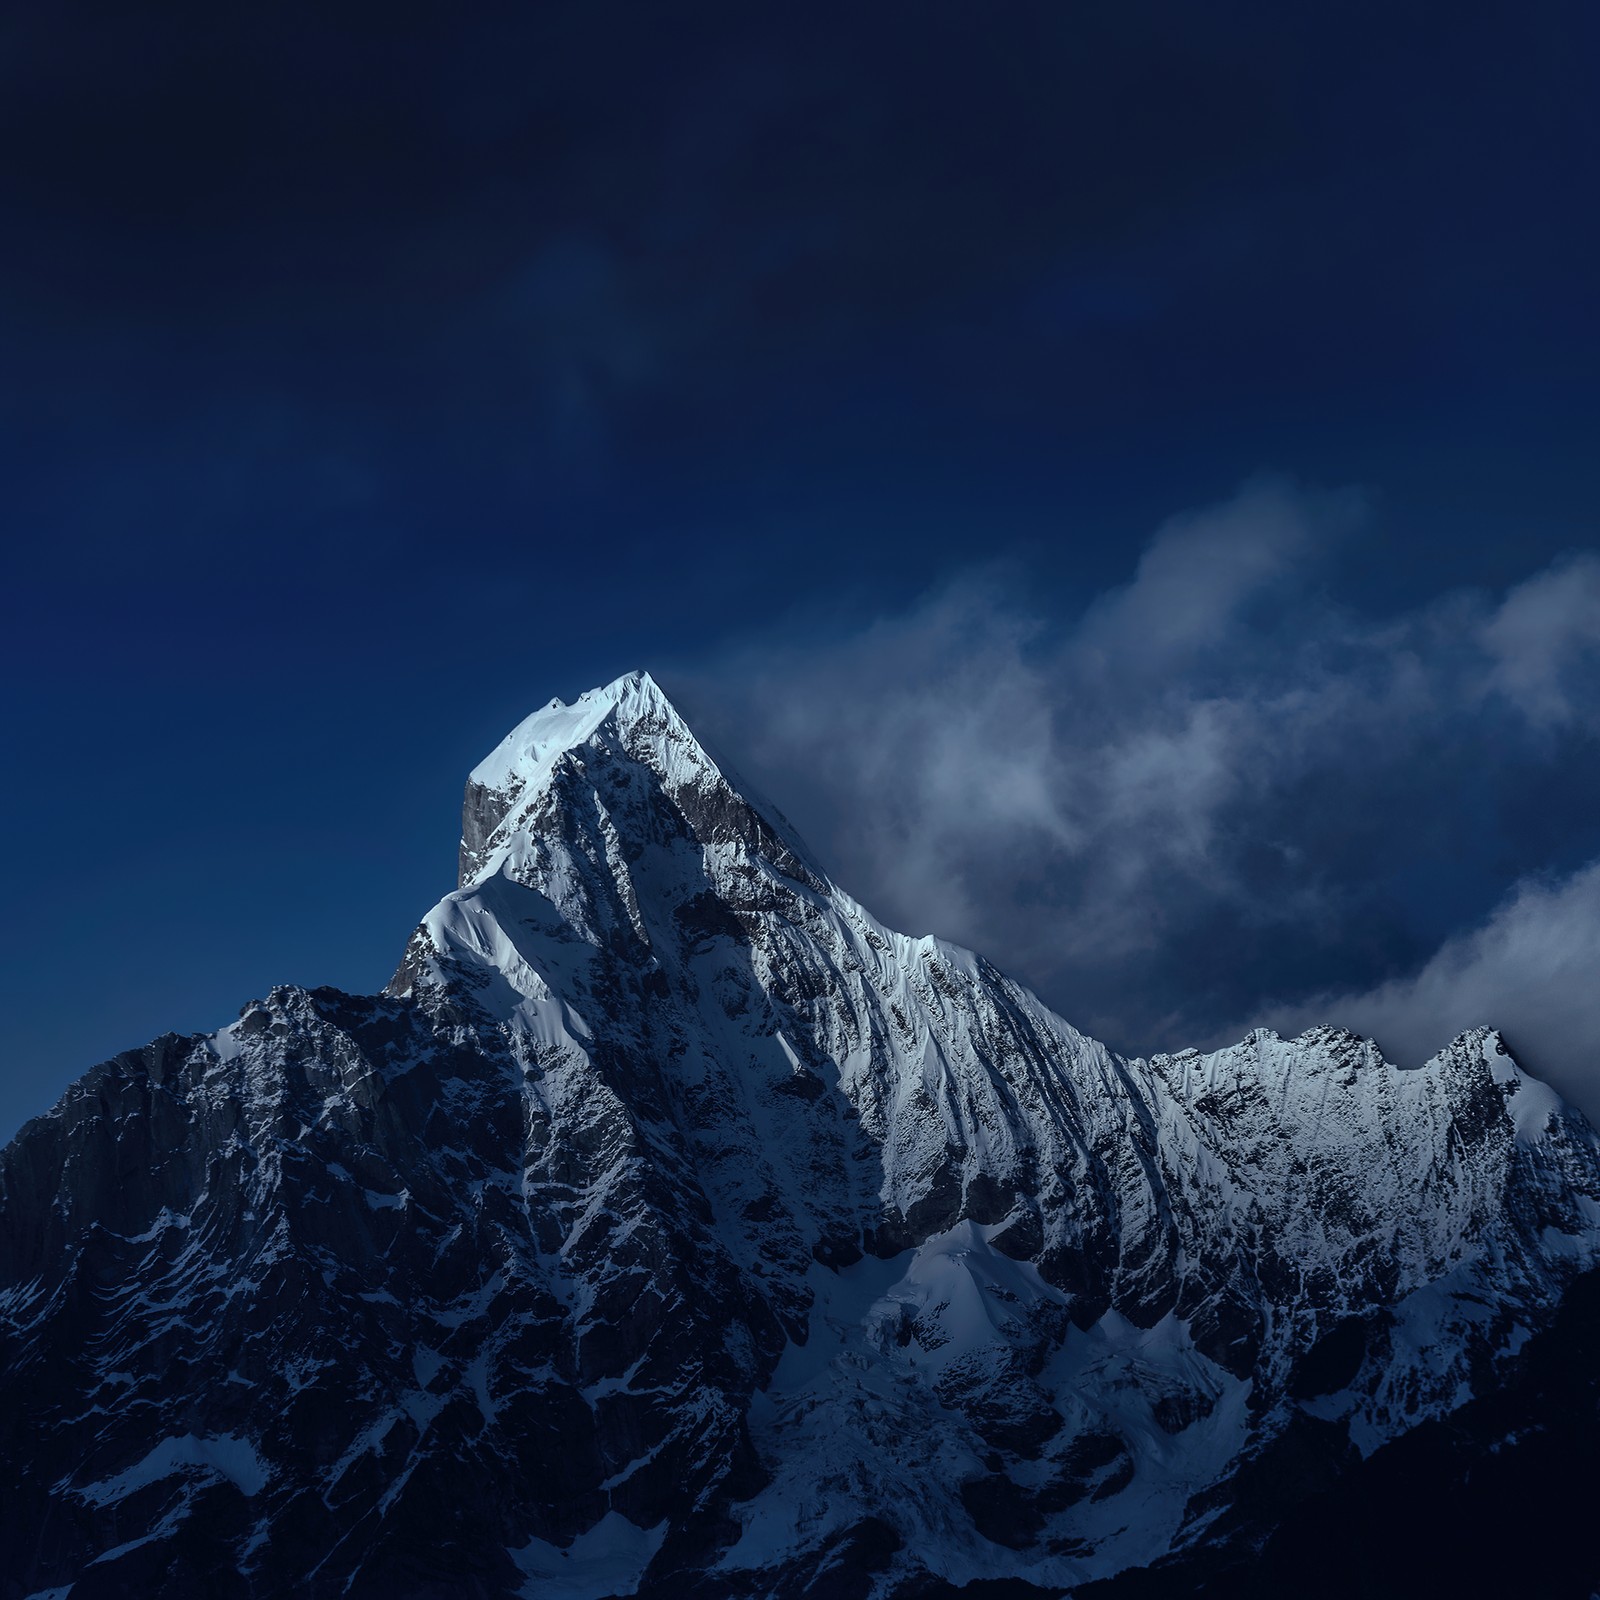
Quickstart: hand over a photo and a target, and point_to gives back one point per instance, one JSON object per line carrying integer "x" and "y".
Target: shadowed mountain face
{"x": 670, "y": 1227}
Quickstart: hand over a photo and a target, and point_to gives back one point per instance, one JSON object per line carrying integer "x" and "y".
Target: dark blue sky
{"x": 368, "y": 379}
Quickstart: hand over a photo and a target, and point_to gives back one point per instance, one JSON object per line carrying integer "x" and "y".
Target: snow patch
{"x": 610, "y": 1559}
{"x": 225, "y": 1456}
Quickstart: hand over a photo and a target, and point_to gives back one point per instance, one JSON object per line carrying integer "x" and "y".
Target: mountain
{"x": 670, "y": 1227}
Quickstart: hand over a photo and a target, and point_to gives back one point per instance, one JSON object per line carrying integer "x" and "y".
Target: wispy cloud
{"x": 1544, "y": 643}
{"x": 1215, "y": 797}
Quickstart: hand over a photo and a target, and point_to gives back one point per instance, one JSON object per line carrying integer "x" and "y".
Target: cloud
{"x": 1544, "y": 642}
{"x": 1215, "y": 796}
{"x": 1202, "y": 570}
{"x": 1532, "y": 970}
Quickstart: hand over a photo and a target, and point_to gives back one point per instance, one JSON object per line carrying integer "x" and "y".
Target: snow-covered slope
{"x": 671, "y": 1226}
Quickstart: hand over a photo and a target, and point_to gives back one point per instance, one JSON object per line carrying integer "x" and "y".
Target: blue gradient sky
{"x": 366, "y": 382}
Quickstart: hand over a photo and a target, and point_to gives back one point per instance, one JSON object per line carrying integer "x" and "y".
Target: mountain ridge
{"x": 704, "y": 1236}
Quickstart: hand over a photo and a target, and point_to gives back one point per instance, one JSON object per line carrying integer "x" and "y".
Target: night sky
{"x": 1124, "y": 478}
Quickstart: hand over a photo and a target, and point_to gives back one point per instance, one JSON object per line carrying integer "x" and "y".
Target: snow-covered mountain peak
{"x": 628, "y": 723}
{"x": 672, "y": 1227}
{"x": 606, "y": 821}
{"x": 527, "y": 752}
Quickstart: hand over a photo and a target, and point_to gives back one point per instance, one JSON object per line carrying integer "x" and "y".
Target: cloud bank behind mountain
{"x": 1216, "y": 798}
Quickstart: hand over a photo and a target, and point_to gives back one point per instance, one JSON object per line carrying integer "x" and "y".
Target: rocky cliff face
{"x": 671, "y": 1227}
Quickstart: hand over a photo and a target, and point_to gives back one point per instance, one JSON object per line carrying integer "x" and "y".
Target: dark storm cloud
{"x": 1178, "y": 814}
